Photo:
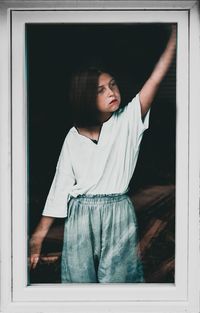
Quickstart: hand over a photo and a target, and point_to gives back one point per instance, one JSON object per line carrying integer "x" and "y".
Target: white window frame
{"x": 16, "y": 295}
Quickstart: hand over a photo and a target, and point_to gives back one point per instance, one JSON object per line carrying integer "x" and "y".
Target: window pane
{"x": 130, "y": 51}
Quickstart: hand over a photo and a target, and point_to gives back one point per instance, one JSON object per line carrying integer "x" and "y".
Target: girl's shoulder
{"x": 131, "y": 105}
{"x": 71, "y": 135}
{"x": 71, "y": 138}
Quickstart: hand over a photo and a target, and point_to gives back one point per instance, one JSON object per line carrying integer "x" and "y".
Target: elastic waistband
{"x": 101, "y": 198}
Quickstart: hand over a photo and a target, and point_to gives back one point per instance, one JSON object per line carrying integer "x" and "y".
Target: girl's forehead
{"x": 104, "y": 78}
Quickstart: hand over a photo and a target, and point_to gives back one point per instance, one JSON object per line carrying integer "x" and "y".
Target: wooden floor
{"x": 155, "y": 209}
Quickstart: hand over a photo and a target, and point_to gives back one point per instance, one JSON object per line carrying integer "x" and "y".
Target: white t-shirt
{"x": 104, "y": 168}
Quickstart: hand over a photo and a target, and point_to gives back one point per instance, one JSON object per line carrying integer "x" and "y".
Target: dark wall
{"x": 130, "y": 51}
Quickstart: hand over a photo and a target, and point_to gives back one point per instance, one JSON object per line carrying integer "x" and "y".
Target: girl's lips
{"x": 113, "y": 101}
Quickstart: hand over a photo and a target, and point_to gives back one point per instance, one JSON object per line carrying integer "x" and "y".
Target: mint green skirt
{"x": 100, "y": 241}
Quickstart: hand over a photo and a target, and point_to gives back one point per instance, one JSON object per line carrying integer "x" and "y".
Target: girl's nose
{"x": 110, "y": 91}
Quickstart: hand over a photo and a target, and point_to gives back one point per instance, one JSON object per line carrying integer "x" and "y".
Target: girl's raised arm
{"x": 150, "y": 88}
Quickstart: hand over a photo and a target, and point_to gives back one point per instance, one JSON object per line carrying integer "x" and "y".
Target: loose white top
{"x": 85, "y": 167}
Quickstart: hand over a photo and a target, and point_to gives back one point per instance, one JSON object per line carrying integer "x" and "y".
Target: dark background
{"x": 129, "y": 51}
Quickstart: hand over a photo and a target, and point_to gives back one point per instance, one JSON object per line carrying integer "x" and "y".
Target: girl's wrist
{"x": 37, "y": 237}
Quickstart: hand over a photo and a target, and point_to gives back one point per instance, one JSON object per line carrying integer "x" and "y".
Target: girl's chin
{"x": 114, "y": 106}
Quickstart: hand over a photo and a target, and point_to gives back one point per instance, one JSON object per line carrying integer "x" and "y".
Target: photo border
{"x": 17, "y": 296}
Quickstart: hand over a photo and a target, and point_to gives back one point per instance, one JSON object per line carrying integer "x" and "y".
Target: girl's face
{"x": 108, "y": 96}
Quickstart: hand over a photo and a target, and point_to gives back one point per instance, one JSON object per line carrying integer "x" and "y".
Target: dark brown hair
{"x": 83, "y": 97}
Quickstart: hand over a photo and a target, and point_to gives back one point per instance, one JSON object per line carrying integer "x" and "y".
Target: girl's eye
{"x": 100, "y": 90}
{"x": 113, "y": 83}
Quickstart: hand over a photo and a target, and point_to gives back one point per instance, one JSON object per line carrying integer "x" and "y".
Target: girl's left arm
{"x": 150, "y": 88}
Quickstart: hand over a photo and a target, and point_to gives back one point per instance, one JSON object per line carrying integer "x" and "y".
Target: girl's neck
{"x": 105, "y": 116}
{"x": 91, "y": 132}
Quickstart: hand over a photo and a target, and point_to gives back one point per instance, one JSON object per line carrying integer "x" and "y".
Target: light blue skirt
{"x": 100, "y": 241}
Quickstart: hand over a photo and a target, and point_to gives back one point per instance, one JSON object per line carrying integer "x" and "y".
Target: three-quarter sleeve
{"x": 59, "y": 194}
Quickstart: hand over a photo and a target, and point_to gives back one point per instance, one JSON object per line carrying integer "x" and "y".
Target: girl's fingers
{"x": 34, "y": 261}
{"x": 174, "y": 30}
{"x": 174, "y": 27}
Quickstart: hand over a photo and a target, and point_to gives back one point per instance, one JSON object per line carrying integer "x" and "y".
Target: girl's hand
{"x": 174, "y": 32}
{"x": 151, "y": 86}
{"x": 37, "y": 238}
{"x": 35, "y": 246}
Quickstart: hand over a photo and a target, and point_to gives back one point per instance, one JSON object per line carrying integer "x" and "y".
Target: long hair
{"x": 83, "y": 97}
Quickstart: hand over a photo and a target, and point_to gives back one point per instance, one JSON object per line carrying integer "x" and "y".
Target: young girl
{"x": 90, "y": 185}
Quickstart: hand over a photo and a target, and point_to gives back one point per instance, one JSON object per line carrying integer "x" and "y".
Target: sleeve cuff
{"x": 144, "y": 119}
{"x": 54, "y": 209}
